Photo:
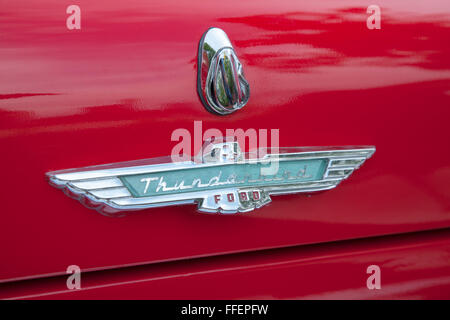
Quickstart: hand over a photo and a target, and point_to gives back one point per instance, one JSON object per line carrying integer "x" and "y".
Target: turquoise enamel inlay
{"x": 223, "y": 176}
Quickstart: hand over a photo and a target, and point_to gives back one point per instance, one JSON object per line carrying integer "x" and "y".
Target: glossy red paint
{"x": 116, "y": 89}
{"x": 413, "y": 266}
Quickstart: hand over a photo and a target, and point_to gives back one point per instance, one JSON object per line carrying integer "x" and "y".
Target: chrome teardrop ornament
{"x": 221, "y": 85}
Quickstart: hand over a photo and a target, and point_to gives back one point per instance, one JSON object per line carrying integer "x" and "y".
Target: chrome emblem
{"x": 221, "y": 84}
{"x": 221, "y": 179}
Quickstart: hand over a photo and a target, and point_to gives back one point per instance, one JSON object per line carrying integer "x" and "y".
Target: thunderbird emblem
{"x": 221, "y": 179}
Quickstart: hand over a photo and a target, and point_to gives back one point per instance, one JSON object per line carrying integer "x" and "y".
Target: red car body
{"x": 117, "y": 88}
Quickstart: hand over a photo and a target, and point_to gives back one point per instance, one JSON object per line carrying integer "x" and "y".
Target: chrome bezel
{"x": 219, "y": 42}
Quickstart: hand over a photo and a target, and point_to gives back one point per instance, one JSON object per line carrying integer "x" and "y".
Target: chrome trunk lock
{"x": 221, "y": 84}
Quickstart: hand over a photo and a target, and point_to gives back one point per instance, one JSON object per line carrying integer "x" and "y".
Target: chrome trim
{"x": 221, "y": 84}
{"x": 103, "y": 189}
